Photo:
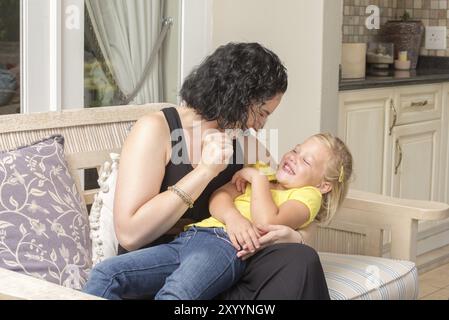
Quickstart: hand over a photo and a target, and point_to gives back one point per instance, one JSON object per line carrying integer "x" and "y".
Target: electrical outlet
{"x": 436, "y": 38}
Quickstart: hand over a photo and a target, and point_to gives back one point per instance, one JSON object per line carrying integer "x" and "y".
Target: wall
{"x": 430, "y": 12}
{"x": 196, "y": 35}
{"x": 312, "y": 83}
{"x": 331, "y": 58}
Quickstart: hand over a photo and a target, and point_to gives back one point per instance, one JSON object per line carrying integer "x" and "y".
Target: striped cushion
{"x": 352, "y": 277}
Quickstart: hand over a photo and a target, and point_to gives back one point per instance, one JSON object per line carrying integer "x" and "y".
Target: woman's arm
{"x": 141, "y": 213}
{"x": 240, "y": 230}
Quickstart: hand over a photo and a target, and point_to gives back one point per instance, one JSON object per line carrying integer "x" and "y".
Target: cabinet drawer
{"x": 417, "y": 103}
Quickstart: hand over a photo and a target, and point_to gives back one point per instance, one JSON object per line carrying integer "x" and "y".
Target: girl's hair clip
{"x": 342, "y": 175}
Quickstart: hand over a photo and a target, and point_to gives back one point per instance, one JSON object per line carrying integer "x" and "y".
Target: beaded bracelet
{"x": 184, "y": 196}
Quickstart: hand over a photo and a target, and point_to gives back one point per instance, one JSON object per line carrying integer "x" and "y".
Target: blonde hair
{"x": 338, "y": 173}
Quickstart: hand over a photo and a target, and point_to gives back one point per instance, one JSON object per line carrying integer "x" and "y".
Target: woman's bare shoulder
{"x": 154, "y": 121}
{"x": 149, "y": 137}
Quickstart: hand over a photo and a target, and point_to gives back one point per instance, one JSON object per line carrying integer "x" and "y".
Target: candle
{"x": 403, "y": 56}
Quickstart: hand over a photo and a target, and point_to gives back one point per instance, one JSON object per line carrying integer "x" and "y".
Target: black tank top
{"x": 175, "y": 172}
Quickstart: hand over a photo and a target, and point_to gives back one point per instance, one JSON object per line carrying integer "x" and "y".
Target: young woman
{"x": 203, "y": 261}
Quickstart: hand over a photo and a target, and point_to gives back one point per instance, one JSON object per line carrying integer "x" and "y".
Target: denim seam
{"x": 218, "y": 276}
{"x": 114, "y": 276}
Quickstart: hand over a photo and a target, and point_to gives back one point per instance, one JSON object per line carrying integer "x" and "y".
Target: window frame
{"x": 52, "y": 53}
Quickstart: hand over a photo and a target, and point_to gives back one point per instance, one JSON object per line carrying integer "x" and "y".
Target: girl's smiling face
{"x": 304, "y": 166}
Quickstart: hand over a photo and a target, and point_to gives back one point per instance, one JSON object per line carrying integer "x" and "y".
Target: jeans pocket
{"x": 191, "y": 231}
{"x": 221, "y": 234}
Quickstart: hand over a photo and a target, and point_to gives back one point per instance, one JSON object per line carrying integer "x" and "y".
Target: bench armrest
{"x": 401, "y": 208}
{"x": 401, "y": 216}
{"x": 17, "y": 286}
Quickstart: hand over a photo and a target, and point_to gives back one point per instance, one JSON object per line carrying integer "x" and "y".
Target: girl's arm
{"x": 240, "y": 230}
{"x": 264, "y": 211}
{"x": 221, "y": 203}
{"x": 141, "y": 213}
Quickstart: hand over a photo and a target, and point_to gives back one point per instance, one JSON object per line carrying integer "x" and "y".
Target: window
{"x": 131, "y": 52}
{"x": 9, "y": 56}
{"x": 49, "y": 57}
{"x": 100, "y": 89}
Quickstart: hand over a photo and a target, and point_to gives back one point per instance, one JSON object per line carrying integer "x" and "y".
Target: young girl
{"x": 309, "y": 184}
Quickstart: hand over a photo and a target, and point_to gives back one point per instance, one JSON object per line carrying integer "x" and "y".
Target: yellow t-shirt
{"x": 310, "y": 196}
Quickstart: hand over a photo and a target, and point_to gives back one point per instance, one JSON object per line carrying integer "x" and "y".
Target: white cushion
{"x": 354, "y": 277}
{"x": 102, "y": 232}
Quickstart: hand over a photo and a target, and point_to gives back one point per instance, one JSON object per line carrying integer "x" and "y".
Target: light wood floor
{"x": 434, "y": 285}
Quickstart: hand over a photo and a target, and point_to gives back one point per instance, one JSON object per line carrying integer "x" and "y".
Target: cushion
{"x": 43, "y": 221}
{"x": 102, "y": 232}
{"x": 354, "y": 277}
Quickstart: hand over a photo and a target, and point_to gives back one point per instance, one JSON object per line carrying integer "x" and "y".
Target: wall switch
{"x": 436, "y": 38}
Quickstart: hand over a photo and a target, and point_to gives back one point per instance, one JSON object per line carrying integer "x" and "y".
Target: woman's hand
{"x": 273, "y": 234}
{"x": 244, "y": 176}
{"x": 243, "y": 234}
{"x": 216, "y": 153}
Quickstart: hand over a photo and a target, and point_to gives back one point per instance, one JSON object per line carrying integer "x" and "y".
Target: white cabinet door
{"x": 414, "y": 165}
{"x": 362, "y": 126}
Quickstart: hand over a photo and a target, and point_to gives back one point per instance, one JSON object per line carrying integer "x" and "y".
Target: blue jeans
{"x": 198, "y": 265}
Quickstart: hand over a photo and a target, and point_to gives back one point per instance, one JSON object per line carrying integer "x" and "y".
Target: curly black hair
{"x": 229, "y": 82}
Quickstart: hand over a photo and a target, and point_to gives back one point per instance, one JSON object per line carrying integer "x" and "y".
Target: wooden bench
{"x": 91, "y": 134}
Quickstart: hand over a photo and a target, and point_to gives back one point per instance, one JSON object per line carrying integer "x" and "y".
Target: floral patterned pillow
{"x": 44, "y": 229}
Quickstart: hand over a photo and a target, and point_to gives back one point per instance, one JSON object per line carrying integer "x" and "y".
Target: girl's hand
{"x": 273, "y": 234}
{"x": 243, "y": 176}
{"x": 243, "y": 234}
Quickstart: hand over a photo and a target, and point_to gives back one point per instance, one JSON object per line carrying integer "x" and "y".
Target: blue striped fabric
{"x": 355, "y": 277}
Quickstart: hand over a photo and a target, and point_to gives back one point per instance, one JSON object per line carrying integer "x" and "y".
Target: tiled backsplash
{"x": 354, "y": 17}
{"x": 430, "y": 12}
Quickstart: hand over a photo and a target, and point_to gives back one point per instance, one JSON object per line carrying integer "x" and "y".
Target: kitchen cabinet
{"x": 362, "y": 125}
{"x": 413, "y": 171}
{"x": 394, "y": 135}
{"x": 398, "y": 137}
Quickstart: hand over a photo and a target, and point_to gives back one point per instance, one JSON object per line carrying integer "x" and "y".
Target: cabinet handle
{"x": 395, "y": 116}
{"x": 419, "y": 104}
{"x": 399, "y": 149}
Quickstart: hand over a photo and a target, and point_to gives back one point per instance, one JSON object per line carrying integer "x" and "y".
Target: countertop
{"x": 397, "y": 78}
{"x": 430, "y": 70}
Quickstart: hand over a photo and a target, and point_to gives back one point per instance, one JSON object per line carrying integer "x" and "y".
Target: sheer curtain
{"x": 127, "y": 31}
